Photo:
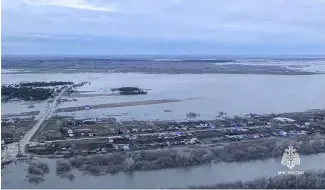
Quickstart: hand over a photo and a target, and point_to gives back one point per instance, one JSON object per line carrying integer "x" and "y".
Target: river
{"x": 14, "y": 175}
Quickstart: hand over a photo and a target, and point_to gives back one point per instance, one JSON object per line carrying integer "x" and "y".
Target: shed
{"x": 284, "y": 119}
{"x": 283, "y": 133}
{"x": 126, "y": 147}
{"x": 121, "y": 141}
{"x": 83, "y": 130}
{"x": 193, "y": 140}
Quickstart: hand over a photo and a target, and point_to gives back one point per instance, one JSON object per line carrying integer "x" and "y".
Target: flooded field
{"x": 206, "y": 94}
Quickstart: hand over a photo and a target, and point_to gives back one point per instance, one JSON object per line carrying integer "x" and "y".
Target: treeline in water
{"x": 173, "y": 158}
{"x": 24, "y": 93}
{"x": 30, "y": 90}
{"x": 36, "y": 172}
{"x": 129, "y": 90}
{"x": 304, "y": 181}
{"x": 44, "y": 84}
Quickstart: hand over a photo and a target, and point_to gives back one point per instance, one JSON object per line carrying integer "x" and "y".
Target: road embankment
{"x": 116, "y": 105}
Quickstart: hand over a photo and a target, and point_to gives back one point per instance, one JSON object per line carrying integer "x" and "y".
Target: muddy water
{"x": 13, "y": 175}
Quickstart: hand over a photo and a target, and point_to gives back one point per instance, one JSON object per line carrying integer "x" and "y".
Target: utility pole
{"x": 19, "y": 150}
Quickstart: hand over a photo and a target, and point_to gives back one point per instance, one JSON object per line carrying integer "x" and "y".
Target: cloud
{"x": 283, "y": 22}
{"x": 76, "y": 4}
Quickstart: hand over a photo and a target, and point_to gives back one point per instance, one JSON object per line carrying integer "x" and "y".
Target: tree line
{"x": 44, "y": 84}
{"x": 25, "y": 93}
{"x": 173, "y": 158}
{"x": 305, "y": 181}
{"x": 129, "y": 90}
{"x": 30, "y": 90}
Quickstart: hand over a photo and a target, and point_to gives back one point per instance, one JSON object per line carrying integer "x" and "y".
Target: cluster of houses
{"x": 80, "y": 147}
{"x": 164, "y": 139}
{"x": 135, "y": 128}
{"x": 81, "y": 127}
{"x": 75, "y": 122}
{"x": 116, "y": 143}
{"x": 142, "y": 135}
{"x": 8, "y": 121}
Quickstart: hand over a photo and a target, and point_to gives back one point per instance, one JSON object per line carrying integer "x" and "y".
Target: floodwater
{"x": 13, "y": 175}
{"x": 206, "y": 94}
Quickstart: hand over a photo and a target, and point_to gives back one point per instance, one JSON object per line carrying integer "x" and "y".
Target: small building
{"x": 134, "y": 130}
{"x": 126, "y": 147}
{"x": 82, "y": 132}
{"x": 302, "y": 133}
{"x": 284, "y": 120}
{"x": 253, "y": 136}
{"x": 90, "y": 121}
{"x": 119, "y": 143}
{"x": 212, "y": 126}
{"x": 143, "y": 139}
{"x": 283, "y": 133}
{"x": 194, "y": 140}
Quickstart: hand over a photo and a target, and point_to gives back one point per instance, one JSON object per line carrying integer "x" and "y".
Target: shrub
{"x": 63, "y": 167}
{"x": 38, "y": 168}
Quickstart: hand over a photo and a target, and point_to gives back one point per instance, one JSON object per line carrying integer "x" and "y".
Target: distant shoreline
{"x": 177, "y": 65}
{"x": 154, "y": 71}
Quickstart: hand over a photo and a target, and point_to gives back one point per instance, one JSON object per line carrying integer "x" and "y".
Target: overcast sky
{"x": 218, "y": 27}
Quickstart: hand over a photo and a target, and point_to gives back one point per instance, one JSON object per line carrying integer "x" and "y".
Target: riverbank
{"x": 183, "y": 157}
{"x": 14, "y": 176}
{"x": 305, "y": 181}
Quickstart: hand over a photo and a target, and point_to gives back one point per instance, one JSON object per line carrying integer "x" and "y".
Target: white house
{"x": 284, "y": 119}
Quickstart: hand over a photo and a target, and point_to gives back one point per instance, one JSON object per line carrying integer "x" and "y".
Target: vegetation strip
{"x": 306, "y": 181}
{"x": 182, "y": 157}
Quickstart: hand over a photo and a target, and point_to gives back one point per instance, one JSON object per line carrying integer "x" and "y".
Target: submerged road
{"x": 12, "y": 148}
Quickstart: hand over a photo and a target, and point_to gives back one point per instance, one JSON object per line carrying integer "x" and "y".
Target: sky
{"x": 163, "y": 27}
